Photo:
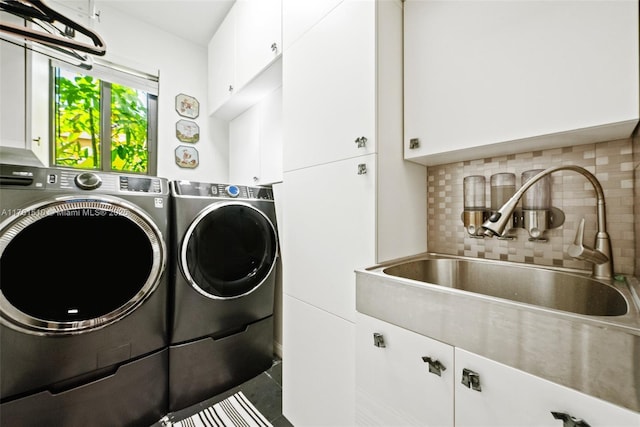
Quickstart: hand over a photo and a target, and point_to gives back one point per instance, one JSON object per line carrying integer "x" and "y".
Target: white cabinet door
{"x": 479, "y": 73}
{"x": 221, "y": 60}
{"x": 271, "y": 138}
{"x": 394, "y": 383}
{"x": 255, "y": 143}
{"x": 510, "y": 397}
{"x": 299, "y": 16}
{"x": 244, "y": 148}
{"x": 329, "y": 100}
{"x": 318, "y": 376}
{"x": 258, "y": 36}
{"x": 329, "y": 230}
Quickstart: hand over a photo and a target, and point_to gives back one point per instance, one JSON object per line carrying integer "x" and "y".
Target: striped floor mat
{"x": 234, "y": 411}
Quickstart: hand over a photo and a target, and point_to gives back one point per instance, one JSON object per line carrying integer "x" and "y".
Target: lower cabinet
{"x": 318, "y": 379}
{"x": 499, "y": 395}
{"x": 403, "y": 378}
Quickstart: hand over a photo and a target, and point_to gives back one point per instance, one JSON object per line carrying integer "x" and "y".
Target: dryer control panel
{"x": 224, "y": 191}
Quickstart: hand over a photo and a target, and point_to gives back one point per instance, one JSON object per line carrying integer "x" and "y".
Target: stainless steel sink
{"x": 545, "y": 288}
{"x": 558, "y": 324}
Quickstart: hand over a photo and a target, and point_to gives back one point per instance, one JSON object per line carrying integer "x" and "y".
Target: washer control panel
{"x": 28, "y": 177}
{"x": 225, "y": 191}
{"x": 108, "y": 182}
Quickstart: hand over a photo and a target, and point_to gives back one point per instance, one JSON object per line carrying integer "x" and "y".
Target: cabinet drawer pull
{"x": 378, "y": 340}
{"x": 362, "y": 169}
{"x": 361, "y": 141}
{"x": 435, "y": 367}
{"x": 568, "y": 420}
{"x": 471, "y": 379}
{"x": 274, "y": 47}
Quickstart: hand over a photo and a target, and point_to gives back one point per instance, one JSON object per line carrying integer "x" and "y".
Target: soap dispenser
{"x": 536, "y": 204}
{"x": 474, "y": 204}
{"x": 503, "y": 186}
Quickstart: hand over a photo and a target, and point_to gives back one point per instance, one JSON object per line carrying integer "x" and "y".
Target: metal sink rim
{"x": 545, "y": 287}
{"x": 630, "y": 290}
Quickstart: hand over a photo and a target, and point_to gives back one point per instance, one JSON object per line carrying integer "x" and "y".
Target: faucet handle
{"x": 578, "y": 250}
{"x": 579, "y": 239}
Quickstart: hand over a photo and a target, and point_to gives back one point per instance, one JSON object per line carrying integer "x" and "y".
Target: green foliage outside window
{"x": 78, "y": 133}
{"x": 77, "y": 121}
{"x": 129, "y": 130}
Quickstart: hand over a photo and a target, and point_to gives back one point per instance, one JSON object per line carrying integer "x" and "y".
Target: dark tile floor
{"x": 264, "y": 391}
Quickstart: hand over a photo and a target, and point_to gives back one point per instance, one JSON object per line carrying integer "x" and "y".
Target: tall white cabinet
{"x": 350, "y": 200}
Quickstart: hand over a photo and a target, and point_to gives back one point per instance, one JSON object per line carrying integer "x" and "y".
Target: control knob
{"x": 88, "y": 181}
{"x": 232, "y": 190}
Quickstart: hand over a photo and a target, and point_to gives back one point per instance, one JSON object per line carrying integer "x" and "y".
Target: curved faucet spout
{"x": 600, "y": 254}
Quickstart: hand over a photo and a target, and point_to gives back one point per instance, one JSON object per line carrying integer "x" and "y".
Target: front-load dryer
{"x": 83, "y": 298}
{"x": 226, "y": 248}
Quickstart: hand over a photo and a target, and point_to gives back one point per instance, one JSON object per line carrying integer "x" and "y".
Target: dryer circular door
{"x": 73, "y": 264}
{"x": 229, "y": 250}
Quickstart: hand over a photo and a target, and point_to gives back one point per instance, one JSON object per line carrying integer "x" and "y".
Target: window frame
{"x": 110, "y": 73}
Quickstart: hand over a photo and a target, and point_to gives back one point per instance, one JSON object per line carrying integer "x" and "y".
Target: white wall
{"x": 182, "y": 66}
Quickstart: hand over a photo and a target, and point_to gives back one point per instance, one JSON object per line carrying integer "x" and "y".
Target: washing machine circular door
{"x": 229, "y": 250}
{"x": 72, "y": 265}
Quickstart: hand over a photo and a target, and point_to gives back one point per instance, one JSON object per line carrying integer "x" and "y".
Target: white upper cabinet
{"x": 482, "y": 74}
{"x": 244, "y": 57}
{"x": 299, "y": 16}
{"x": 258, "y": 36}
{"x": 221, "y": 60}
{"x": 330, "y": 99}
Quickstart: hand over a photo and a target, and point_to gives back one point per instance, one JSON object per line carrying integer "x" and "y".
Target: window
{"x": 104, "y": 119}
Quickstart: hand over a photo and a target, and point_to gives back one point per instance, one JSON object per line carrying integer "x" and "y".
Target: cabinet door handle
{"x": 230, "y": 88}
{"x": 361, "y": 141}
{"x": 274, "y": 47}
{"x": 362, "y": 169}
{"x": 568, "y": 420}
{"x": 471, "y": 379}
{"x": 378, "y": 340}
{"x": 435, "y": 367}
{"x": 414, "y": 143}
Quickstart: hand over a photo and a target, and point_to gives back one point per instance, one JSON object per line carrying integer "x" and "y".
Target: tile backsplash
{"x": 636, "y": 213}
{"x": 612, "y": 162}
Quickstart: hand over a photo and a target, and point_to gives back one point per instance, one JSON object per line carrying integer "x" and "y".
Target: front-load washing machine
{"x": 225, "y": 254}
{"x": 83, "y": 299}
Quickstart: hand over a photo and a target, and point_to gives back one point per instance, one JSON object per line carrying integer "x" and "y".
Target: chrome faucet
{"x": 600, "y": 255}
